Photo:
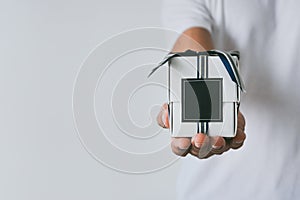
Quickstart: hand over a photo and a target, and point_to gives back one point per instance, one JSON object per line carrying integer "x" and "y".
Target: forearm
{"x": 196, "y": 38}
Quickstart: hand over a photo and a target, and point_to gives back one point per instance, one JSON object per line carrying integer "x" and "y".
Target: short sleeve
{"x": 179, "y": 15}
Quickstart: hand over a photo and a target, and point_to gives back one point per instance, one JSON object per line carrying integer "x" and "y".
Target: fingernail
{"x": 183, "y": 149}
{"x": 197, "y": 144}
{"x": 238, "y": 141}
{"x": 217, "y": 147}
{"x": 218, "y": 143}
{"x": 199, "y": 140}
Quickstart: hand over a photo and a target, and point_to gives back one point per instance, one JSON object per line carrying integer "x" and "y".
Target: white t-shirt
{"x": 267, "y": 34}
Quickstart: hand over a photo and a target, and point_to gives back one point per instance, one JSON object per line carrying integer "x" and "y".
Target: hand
{"x": 201, "y": 145}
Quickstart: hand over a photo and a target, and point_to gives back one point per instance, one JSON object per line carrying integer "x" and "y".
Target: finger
{"x": 198, "y": 140}
{"x": 163, "y": 117}
{"x": 200, "y": 145}
{"x": 238, "y": 140}
{"x": 195, "y": 148}
{"x": 181, "y": 145}
{"x": 241, "y": 121}
{"x": 218, "y": 145}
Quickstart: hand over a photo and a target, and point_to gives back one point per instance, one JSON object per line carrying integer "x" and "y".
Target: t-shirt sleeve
{"x": 179, "y": 15}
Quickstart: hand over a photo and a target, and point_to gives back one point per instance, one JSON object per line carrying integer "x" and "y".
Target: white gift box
{"x": 203, "y": 92}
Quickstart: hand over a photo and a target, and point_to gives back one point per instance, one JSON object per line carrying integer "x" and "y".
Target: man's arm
{"x": 201, "y": 145}
{"x": 197, "y": 39}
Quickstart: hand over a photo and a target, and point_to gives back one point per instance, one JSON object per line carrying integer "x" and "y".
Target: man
{"x": 267, "y": 35}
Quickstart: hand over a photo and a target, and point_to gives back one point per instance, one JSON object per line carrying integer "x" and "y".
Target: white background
{"x": 42, "y": 45}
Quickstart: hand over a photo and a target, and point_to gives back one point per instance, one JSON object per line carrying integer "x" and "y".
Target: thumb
{"x": 163, "y": 116}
